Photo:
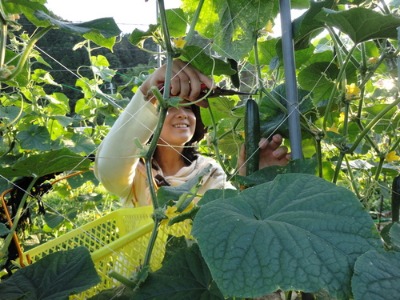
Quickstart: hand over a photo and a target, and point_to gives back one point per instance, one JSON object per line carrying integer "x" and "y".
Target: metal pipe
{"x": 398, "y": 58}
{"x": 290, "y": 80}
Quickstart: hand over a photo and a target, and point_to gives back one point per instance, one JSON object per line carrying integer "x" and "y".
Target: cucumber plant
{"x": 349, "y": 115}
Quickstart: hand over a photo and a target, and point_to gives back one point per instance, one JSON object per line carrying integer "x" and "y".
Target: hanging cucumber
{"x": 395, "y": 199}
{"x": 252, "y": 136}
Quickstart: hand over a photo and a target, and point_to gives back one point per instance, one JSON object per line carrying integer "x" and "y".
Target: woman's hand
{"x": 272, "y": 153}
{"x": 185, "y": 82}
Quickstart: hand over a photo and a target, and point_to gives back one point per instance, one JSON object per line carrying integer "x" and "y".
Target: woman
{"x": 175, "y": 161}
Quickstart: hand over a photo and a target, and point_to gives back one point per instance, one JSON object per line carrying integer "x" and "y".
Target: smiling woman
{"x": 175, "y": 161}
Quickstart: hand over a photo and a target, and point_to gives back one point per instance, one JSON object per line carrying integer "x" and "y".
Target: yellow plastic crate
{"x": 117, "y": 242}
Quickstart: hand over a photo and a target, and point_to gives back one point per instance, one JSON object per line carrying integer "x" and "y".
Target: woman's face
{"x": 179, "y": 126}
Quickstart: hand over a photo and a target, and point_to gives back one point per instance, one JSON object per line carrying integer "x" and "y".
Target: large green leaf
{"x": 35, "y": 138}
{"x": 275, "y": 120}
{"x": 319, "y": 78}
{"x": 231, "y": 24}
{"x": 297, "y": 232}
{"x": 361, "y": 24}
{"x": 177, "y": 22}
{"x": 377, "y": 276}
{"x": 203, "y": 62}
{"x": 26, "y": 7}
{"x": 220, "y": 107}
{"x": 101, "y": 31}
{"x": 306, "y": 26}
{"x": 54, "y": 277}
{"x": 4, "y": 230}
{"x": 46, "y": 163}
{"x": 307, "y": 166}
{"x": 266, "y": 52}
{"x": 138, "y": 37}
{"x": 394, "y": 234}
{"x": 10, "y": 113}
{"x": 80, "y": 143}
{"x": 183, "y": 276}
{"x": 53, "y": 220}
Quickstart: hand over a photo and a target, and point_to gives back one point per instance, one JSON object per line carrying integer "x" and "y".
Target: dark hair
{"x": 189, "y": 152}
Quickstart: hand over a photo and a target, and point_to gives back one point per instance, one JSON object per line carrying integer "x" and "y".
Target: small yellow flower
{"x": 352, "y": 91}
{"x": 172, "y": 212}
{"x": 392, "y": 156}
{"x": 372, "y": 60}
{"x": 180, "y": 42}
{"x": 333, "y": 129}
{"x": 341, "y": 118}
{"x": 269, "y": 26}
{"x": 182, "y": 228}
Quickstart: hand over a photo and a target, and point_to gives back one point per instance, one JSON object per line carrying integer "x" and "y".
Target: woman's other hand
{"x": 272, "y": 153}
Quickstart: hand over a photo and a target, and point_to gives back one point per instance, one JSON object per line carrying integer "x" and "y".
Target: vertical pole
{"x": 290, "y": 80}
{"x": 398, "y": 58}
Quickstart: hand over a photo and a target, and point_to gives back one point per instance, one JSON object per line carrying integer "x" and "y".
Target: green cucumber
{"x": 396, "y": 199}
{"x": 252, "y": 136}
{"x": 235, "y": 80}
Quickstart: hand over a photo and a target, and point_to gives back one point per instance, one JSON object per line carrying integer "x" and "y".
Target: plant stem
{"x": 192, "y": 27}
{"x": 3, "y": 33}
{"x": 215, "y": 143}
{"x": 342, "y": 70}
{"x": 258, "y": 67}
{"x": 372, "y": 123}
{"x": 232, "y": 131}
{"x": 353, "y": 181}
{"x": 379, "y": 168}
{"x": 346, "y": 115}
{"x": 3, "y": 43}
{"x": 274, "y": 100}
{"x": 164, "y": 25}
{"x": 338, "y": 166}
{"x": 385, "y": 8}
{"x": 148, "y": 157}
{"x": 17, "y": 217}
{"x": 318, "y": 150}
{"x": 341, "y": 46}
{"x": 150, "y": 153}
{"x": 368, "y": 138}
{"x": 27, "y": 51}
{"x": 363, "y": 75}
{"x": 152, "y": 241}
{"x": 125, "y": 281}
{"x": 395, "y": 199}
{"x": 342, "y": 79}
{"x": 395, "y": 145}
{"x": 158, "y": 216}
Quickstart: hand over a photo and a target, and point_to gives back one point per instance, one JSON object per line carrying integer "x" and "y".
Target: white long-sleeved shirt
{"x": 117, "y": 159}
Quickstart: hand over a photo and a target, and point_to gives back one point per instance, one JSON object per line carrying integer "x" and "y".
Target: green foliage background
{"x": 346, "y": 56}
